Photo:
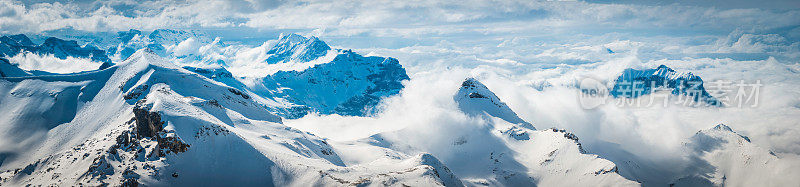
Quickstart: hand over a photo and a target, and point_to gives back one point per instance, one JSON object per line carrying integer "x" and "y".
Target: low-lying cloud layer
{"x": 530, "y": 53}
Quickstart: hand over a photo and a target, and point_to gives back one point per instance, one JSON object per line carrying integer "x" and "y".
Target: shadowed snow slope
{"x": 9, "y": 70}
{"x": 146, "y": 121}
{"x": 347, "y": 84}
{"x": 475, "y": 99}
{"x": 497, "y": 152}
{"x": 721, "y": 157}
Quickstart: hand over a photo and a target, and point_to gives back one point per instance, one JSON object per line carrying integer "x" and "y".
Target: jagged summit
{"x": 633, "y": 83}
{"x": 296, "y": 48}
{"x": 474, "y": 98}
{"x": 721, "y": 156}
{"x": 723, "y": 127}
{"x": 721, "y": 130}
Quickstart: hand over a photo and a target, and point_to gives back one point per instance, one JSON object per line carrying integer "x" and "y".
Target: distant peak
{"x": 294, "y": 47}
{"x": 22, "y": 39}
{"x": 147, "y": 56}
{"x": 126, "y": 36}
{"x": 723, "y": 127}
{"x": 53, "y": 41}
{"x": 474, "y": 98}
{"x": 472, "y": 82}
{"x": 144, "y": 52}
{"x": 291, "y": 38}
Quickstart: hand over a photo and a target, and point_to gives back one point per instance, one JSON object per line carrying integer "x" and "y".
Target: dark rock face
{"x": 130, "y": 182}
{"x": 570, "y": 136}
{"x": 634, "y": 83}
{"x": 239, "y": 93}
{"x": 148, "y": 124}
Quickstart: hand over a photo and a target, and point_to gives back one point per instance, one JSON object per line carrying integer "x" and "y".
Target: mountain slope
{"x": 9, "y": 70}
{"x": 499, "y": 152}
{"x": 146, "y": 121}
{"x": 474, "y": 98}
{"x": 721, "y": 157}
{"x": 329, "y": 81}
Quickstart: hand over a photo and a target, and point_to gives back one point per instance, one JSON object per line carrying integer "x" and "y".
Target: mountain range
{"x": 146, "y": 120}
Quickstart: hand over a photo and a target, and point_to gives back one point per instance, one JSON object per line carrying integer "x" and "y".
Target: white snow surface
{"x": 721, "y": 157}
{"x": 230, "y": 140}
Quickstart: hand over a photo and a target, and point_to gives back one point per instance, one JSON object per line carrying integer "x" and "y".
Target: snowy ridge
{"x": 721, "y": 157}
{"x": 490, "y": 156}
{"x": 149, "y": 122}
{"x": 501, "y": 153}
{"x": 634, "y": 83}
{"x": 296, "y": 48}
{"x": 474, "y": 98}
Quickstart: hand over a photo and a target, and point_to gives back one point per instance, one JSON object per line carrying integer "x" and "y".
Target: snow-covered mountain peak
{"x": 296, "y": 48}
{"x": 291, "y": 39}
{"x": 720, "y": 156}
{"x": 633, "y": 83}
{"x": 342, "y": 82}
{"x": 721, "y": 132}
{"x": 147, "y": 55}
{"x": 723, "y": 127}
{"x": 166, "y": 37}
{"x": 17, "y": 39}
{"x": 474, "y": 98}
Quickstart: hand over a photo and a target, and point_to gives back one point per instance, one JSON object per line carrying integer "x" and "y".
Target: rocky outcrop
{"x": 149, "y": 125}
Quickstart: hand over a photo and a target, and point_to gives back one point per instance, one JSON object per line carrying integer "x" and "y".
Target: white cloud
{"x": 514, "y": 47}
{"x": 49, "y": 63}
